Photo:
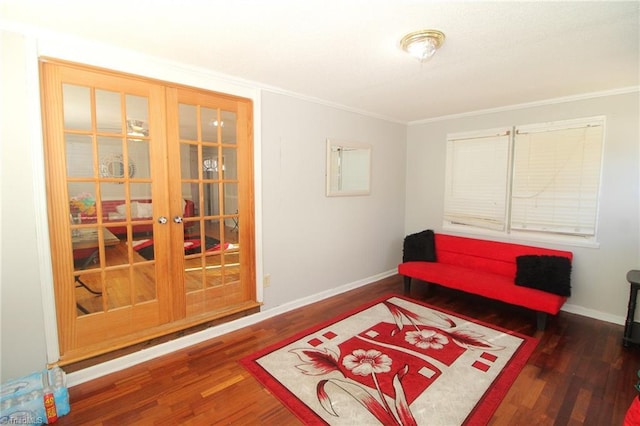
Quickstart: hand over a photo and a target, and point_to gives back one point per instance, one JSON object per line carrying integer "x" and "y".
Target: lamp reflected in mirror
{"x": 348, "y": 168}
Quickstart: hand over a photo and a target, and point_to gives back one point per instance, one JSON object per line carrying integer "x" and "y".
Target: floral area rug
{"x": 395, "y": 361}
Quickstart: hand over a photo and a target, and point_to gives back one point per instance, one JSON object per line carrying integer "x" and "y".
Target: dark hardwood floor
{"x": 579, "y": 373}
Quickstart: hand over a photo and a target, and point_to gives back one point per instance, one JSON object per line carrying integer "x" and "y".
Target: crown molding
{"x": 546, "y": 102}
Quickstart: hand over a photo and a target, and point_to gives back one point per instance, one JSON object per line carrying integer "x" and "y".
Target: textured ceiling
{"x": 345, "y": 52}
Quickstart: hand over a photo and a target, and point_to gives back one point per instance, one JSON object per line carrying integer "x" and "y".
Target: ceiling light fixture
{"x": 422, "y": 44}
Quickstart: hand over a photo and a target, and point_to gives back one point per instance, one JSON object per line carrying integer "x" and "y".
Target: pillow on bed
{"x": 144, "y": 210}
{"x": 547, "y": 273}
{"x": 122, "y": 209}
{"x": 419, "y": 247}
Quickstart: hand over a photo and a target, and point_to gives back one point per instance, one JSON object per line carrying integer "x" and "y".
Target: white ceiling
{"x": 345, "y": 52}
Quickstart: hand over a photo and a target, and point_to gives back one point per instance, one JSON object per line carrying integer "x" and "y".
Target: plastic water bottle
{"x": 49, "y": 399}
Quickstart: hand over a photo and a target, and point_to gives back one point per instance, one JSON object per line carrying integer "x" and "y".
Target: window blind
{"x": 556, "y": 176}
{"x": 477, "y": 174}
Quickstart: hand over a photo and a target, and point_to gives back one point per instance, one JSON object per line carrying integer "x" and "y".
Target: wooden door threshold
{"x": 75, "y": 362}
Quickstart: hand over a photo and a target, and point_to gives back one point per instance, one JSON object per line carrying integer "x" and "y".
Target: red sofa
{"x": 491, "y": 269}
{"x": 110, "y": 214}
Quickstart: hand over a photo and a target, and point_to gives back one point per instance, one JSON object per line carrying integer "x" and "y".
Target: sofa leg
{"x": 541, "y": 318}
{"x": 407, "y": 284}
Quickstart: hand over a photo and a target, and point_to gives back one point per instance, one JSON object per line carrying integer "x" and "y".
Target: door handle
{"x": 177, "y": 219}
{"x": 162, "y": 220}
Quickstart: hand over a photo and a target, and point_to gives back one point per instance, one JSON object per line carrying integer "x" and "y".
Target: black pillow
{"x": 547, "y": 273}
{"x": 419, "y": 247}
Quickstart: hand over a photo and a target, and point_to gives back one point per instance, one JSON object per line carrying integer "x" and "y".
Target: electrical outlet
{"x": 266, "y": 280}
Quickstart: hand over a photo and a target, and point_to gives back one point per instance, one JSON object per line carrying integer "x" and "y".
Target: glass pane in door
{"x": 202, "y": 170}
{"x": 78, "y": 149}
{"x": 189, "y": 161}
{"x": 108, "y": 117}
{"x": 139, "y": 159}
{"x": 230, "y": 163}
{"x": 211, "y": 199}
{"x": 188, "y": 122}
{"x": 228, "y": 127}
{"x": 76, "y": 105}
{"x": 137, "y": 110}
{"x": 211, "y": 164}
{"x": 110, "y": 198}
{"x": 111, "y": 160}
{"x": 209, "y": 124}
{"x": 230, "y": 198}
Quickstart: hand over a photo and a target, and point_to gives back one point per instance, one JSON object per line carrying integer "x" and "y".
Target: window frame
{"x": 483, "y": 211}
{"x": 527, "y": 235}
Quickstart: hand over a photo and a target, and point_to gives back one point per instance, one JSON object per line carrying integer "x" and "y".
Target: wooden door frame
{"x": 56, "y": 339}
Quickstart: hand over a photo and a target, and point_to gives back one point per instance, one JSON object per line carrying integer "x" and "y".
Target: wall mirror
{"x": 348, "y": 168}
{"x": 114, "y": 167}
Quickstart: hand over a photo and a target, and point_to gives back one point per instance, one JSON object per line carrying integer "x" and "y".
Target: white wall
{"x": 22, "y": 320}
{"x": 311, "y": 245}
{"x": 599, "y": 287}
{"x": 312, "y": 242}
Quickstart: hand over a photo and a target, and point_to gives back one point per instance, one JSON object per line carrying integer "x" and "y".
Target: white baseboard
{"x": 592, "y": 313}
{"x": 126, "y": 361}
{"x": 143, "y": 355}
